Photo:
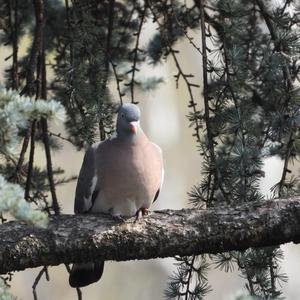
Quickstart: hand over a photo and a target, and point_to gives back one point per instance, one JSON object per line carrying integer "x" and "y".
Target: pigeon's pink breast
{"x": 129, "y": 176}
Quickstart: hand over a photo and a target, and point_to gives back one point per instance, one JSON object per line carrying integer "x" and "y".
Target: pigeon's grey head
{"x": 128, "y": 120}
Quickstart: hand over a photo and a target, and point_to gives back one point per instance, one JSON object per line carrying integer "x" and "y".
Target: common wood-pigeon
{"x": 121, "y": 176}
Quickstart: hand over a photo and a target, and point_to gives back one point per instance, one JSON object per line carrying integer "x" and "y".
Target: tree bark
{"x": 82, "y": 238}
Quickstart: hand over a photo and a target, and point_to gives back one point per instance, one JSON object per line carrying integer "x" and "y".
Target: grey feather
{"x": 85, "y": 185}
{"x": 86, "y": 273}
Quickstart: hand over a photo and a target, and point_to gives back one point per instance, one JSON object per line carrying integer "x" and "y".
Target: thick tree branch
{"x": 78, "y": 238}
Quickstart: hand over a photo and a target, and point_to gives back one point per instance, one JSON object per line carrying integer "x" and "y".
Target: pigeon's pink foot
{"x": 140, "y": 213}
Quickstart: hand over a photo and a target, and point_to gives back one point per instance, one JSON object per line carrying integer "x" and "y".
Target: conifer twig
{"x": 37, "y": 280}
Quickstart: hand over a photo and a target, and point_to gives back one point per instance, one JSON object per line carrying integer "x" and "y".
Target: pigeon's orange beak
{"x": 133, "y": 127}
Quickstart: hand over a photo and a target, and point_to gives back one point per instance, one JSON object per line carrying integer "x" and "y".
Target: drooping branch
{"x": 79, "y": 238}
{"x": 288, "y": 87}
{"x": 13, "y": 24}
{"x": 31, "y": 160}
{"x": 36, "y": 46}
{"x": 30, "y": 78}
{"x": 44, "y": 125}
{"x": 180, "y": 73}
{"x": 135, "y": 54}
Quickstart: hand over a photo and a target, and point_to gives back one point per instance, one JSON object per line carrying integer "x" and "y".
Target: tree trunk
{"x": 80, "y": 238}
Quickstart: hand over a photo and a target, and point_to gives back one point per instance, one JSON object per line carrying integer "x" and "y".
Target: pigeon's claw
{"x": 140, "y": 213}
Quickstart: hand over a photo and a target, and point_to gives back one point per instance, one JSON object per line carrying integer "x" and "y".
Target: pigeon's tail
{"x": 84, "y": 274}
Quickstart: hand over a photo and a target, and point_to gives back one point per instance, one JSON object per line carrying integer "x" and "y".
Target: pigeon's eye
{"x": 123, "y": 115}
